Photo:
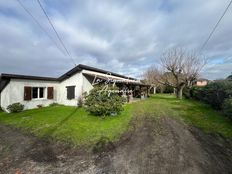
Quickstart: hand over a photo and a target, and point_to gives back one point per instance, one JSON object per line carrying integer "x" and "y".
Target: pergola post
{"x": 147, "y": 92}
{"x": 154, "y": 90}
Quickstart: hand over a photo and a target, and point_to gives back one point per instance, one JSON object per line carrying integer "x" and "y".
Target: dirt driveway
{"x": 156, "y": 146}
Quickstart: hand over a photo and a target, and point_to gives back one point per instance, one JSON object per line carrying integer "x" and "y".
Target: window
{"x": 38, "y": 92}
{"x": 41, "y": 92}
{"x": 70, "y": 92}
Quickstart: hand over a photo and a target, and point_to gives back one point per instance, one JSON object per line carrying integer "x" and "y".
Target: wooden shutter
{"x": 50, "y": 93}
{"x": 27, "y": 93}
{"x": 70, "y": 92}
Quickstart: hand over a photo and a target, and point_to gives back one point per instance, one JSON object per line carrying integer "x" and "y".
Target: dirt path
{"x": 157, "y": 146}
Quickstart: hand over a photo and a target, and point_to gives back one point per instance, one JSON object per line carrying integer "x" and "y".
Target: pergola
{"x": 132, "y": 88}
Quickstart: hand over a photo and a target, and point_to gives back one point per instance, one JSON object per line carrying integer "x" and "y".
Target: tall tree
{"x": 179, "y": 69}
{"x": 149, "y": 77}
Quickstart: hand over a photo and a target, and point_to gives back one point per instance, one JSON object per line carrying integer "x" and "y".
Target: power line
{"x": 210, "y": 35}
{"x": 50, "y": 22}
{"x": 37, "y": 22}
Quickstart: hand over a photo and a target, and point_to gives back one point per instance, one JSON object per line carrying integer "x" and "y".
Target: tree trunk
{"x": 179, "y": 92}
{"x": 154, "y": 88}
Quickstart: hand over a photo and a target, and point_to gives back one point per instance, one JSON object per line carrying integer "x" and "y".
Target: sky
{"x": 121, "y": 36}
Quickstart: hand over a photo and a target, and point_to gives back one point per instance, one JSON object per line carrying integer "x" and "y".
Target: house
{"x": 32, "y": 91}
{"x": 201, "y": 82}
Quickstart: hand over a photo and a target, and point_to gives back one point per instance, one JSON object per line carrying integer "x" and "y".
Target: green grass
{"x": 192, "y": 112}
{"x": 77, "y": 126}
{"x": 69, "y": 123}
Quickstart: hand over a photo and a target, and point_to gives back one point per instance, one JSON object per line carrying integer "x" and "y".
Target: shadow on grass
{"x": 56, "y": 126}
{"x": 42, "y": 149}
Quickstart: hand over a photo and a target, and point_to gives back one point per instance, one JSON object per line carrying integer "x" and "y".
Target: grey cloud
{"x": 121, "y": 36}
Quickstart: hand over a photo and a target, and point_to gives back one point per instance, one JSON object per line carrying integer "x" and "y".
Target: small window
{"x": 70, "y": 92}
{"x": 38, "y": 92}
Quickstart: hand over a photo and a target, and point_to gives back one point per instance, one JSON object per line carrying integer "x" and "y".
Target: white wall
{"x": 75, "y": 80}
{"x": 14, "y": 92}
{"x": 5, "y": 97}
{"x": 87, "y": 85}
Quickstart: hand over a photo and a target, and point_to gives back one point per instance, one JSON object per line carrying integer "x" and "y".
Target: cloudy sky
{"x": 116, "y": 35}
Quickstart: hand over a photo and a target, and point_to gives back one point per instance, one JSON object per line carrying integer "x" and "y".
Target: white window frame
{"x": 38, "y": 90}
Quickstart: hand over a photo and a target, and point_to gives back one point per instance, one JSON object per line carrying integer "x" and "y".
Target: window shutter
{"x": 70, "y": 92}
{"x": 27, "y": 93}
{"x": 50, "y": 93}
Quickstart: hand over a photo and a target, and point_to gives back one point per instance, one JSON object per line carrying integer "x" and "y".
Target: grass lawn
{"x": 192, "y": 112}
{"x": 77, "y": 126}
{"x": 69, "y": 124}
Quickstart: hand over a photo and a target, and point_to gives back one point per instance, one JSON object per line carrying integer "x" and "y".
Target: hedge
{"x": 218, "y": 94}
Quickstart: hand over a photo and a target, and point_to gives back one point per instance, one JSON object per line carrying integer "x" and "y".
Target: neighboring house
{"x": 201, "y": 82}
{"x": 32, "y": 91}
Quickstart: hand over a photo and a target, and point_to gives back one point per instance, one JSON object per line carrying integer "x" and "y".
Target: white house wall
{"x": 14, "y": 92}
{"x": 87, "y": 85}
{"x": 75, "y": 80}
{"x": 5, "y": 97}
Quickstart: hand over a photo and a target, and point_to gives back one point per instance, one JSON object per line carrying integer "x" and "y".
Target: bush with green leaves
{"x": 168, "y": 90}
{"x": 104, "y": 102}
{"x": 227, "y": 108}
{"x": 214, "y": 94}
{"x": 197, "y": 93}
{"x": 15, "y": 107}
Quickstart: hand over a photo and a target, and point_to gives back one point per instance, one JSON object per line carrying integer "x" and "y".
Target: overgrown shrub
{"x": 214, "y": 93}
{"x": 197, "y": 93}
{"x": 168, "y": 89}
{"x": 124, "y": 99}
{"x": 227, "y": 108}
{"x": 103, "y": 102}
{"x": 15, "y": 107}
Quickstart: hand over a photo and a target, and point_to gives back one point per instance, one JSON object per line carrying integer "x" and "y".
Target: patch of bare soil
{"x": 27, "y": 154}
{"x": 167, "y": 146}
{"x": 153, "y": 146}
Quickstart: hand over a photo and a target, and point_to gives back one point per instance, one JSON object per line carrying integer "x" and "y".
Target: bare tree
{"x": 179, "y": 69}
{"x": 149, "y": 78}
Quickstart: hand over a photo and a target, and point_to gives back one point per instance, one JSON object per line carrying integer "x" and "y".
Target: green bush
{"x": 103, "y": 102}
{"x": 197, "y": 93}
{"x": 227, "y": 108}
{"x": 168, "y": 89}
{"x": 214, "y": 94}
{"x": 15, "y": 107}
